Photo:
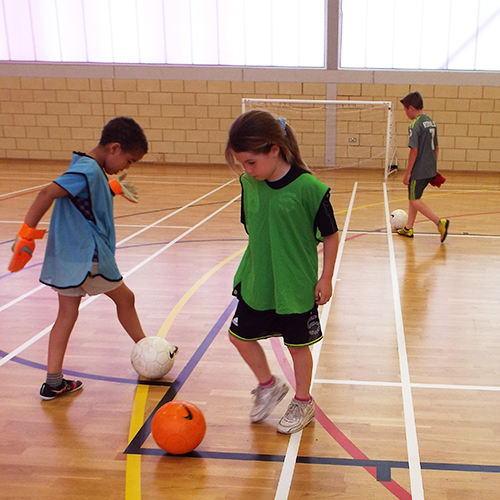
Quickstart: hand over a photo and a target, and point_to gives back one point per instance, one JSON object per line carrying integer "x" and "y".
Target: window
{"x": 282, "y": 33}
{"x": 421, "y": 34}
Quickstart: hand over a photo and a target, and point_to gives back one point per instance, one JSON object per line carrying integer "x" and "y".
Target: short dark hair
{"x": 127, "y": 132}
{"x": 413, "y": 99}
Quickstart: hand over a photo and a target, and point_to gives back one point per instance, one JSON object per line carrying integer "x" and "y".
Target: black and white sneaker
{"x": 47, "y": 392}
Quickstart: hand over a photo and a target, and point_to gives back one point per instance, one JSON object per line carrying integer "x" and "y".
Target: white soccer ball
{"x": 399, "y": 218}
{"x": 153, "y": 357}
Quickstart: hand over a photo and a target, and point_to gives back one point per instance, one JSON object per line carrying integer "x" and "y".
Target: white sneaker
{"x": 266, "y": 399}
{"x": 298, "y": 415}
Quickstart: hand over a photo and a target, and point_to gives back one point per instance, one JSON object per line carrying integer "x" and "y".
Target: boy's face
{"x": 411, "y": 112}
{"x": 117, "y": 160}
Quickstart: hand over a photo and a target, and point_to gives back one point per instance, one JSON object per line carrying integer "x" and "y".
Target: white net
{"x": 338, "y": 134}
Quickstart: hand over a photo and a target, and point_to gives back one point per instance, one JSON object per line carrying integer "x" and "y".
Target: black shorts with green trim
{"x": 416, "y": 188}
{"x": 297, "y": 330}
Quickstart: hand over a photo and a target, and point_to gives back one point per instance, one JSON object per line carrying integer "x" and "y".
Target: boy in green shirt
{"x": 422, "y": 164}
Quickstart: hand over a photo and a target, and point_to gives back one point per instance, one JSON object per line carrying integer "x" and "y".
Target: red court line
{"x": 395, "y": 488}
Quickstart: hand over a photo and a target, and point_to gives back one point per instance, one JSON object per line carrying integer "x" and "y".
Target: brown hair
{"x": 257, "y": 131}
{"x": 413, "y": 99}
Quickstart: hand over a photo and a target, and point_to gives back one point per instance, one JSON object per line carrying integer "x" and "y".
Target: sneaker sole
{"x": 443, "y": 237}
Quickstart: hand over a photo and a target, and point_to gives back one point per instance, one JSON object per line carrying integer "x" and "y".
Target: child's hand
{"x": 323, "y": 291}
{"x": 24, "y": 246}
{"x": 126, "y": 189}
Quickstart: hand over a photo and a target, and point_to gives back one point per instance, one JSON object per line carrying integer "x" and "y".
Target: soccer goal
{"x": 338, "y": 134}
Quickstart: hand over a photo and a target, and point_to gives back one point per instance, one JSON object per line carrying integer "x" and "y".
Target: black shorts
{"x": 297, "y": 330}
{"x": 416, "y": 188}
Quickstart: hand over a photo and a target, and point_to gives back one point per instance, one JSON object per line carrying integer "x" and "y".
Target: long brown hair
{"x": 257, "y": 131}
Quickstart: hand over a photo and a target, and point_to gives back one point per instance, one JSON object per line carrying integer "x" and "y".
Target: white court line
{"x": 416, "y": 483}
{"x": 22, "y": 191}
{"x": 85, "y": 303}
{"x": 285, "y": 481}
{"x": 177, "y": 211}
{"x": 157, "y": 227}
{"x": 457, "y": 387}
{"x": 21, "y": 297}
{"x": 142, "y": 230}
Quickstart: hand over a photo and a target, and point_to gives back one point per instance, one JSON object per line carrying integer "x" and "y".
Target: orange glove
{"x": 126, "y": 189}
{"x": 24, "y": 246}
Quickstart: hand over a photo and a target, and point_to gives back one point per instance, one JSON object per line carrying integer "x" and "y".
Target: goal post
{"x": 338, "y": 134}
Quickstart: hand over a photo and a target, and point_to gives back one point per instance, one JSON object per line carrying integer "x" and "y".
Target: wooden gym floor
{"x": 407, "y": 383}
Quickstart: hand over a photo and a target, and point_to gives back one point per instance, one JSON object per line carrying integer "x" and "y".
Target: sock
{"x": 268, "y": 383}
{"x": 308, "y": 400}
{"x": 54, "y": 379}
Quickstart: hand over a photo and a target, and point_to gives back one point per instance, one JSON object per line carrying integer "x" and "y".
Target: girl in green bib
{"x": 286, "y": 213}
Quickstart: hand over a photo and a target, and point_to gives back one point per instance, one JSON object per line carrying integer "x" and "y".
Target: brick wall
{"x": 186, "y": 121}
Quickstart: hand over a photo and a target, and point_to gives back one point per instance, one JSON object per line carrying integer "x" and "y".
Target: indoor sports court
{"x": 405, "y": 382}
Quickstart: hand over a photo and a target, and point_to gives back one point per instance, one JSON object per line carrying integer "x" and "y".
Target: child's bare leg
{"x": 303, "y": 366}
{"x": 254, "y": 356}
{"x": 124, "y": 300}
{"x": 59, "y": 335}
{"x": 412, "y": 215}
{"x": 420, "y": 206}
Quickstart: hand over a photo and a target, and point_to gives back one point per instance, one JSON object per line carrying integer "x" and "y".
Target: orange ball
{"x": 178, "y": 427}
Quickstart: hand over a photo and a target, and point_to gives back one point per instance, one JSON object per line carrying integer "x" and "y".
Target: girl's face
{"x": 263, "y": 166}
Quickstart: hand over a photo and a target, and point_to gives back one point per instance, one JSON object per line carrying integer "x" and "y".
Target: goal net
{"x": 338, "y": 134}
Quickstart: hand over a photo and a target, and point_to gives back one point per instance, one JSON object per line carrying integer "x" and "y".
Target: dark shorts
{"x": 416, "y": 188}
{"x": 297, "y": 330}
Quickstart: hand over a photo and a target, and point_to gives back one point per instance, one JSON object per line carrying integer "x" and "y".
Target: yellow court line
{"x": 182, "y": 302}
{"x": 404, "y": 199}
{"x": 133, "y": 472}
{"x": 133, "y": 469}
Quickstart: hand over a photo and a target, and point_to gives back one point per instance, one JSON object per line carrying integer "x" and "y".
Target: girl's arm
{"x": 323, "y": 291}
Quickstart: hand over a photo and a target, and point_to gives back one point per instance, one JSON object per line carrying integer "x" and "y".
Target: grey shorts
{"x": 416, "y": 188}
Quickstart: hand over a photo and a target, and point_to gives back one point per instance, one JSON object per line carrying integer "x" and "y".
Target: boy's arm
{"x": 43, "y": 202}
{"x": 412, "y": 158}
{"x": 323, "y": 291}
{"x": 24, "y": 244}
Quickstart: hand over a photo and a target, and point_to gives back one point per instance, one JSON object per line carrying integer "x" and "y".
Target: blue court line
{"x": 84, "y": 375}
{"x": 6, "y": 275}
{"x": 138, "y": 440}
{"x": 384, "y": 467}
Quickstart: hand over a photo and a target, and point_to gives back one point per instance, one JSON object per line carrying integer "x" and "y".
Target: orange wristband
{"x": 30, "y": 233}
{"x": 115, "y": 186}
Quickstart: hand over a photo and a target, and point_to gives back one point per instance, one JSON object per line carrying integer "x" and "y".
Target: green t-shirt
{"x": 279, "y": 269}
{"x": 423, "y": 136}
